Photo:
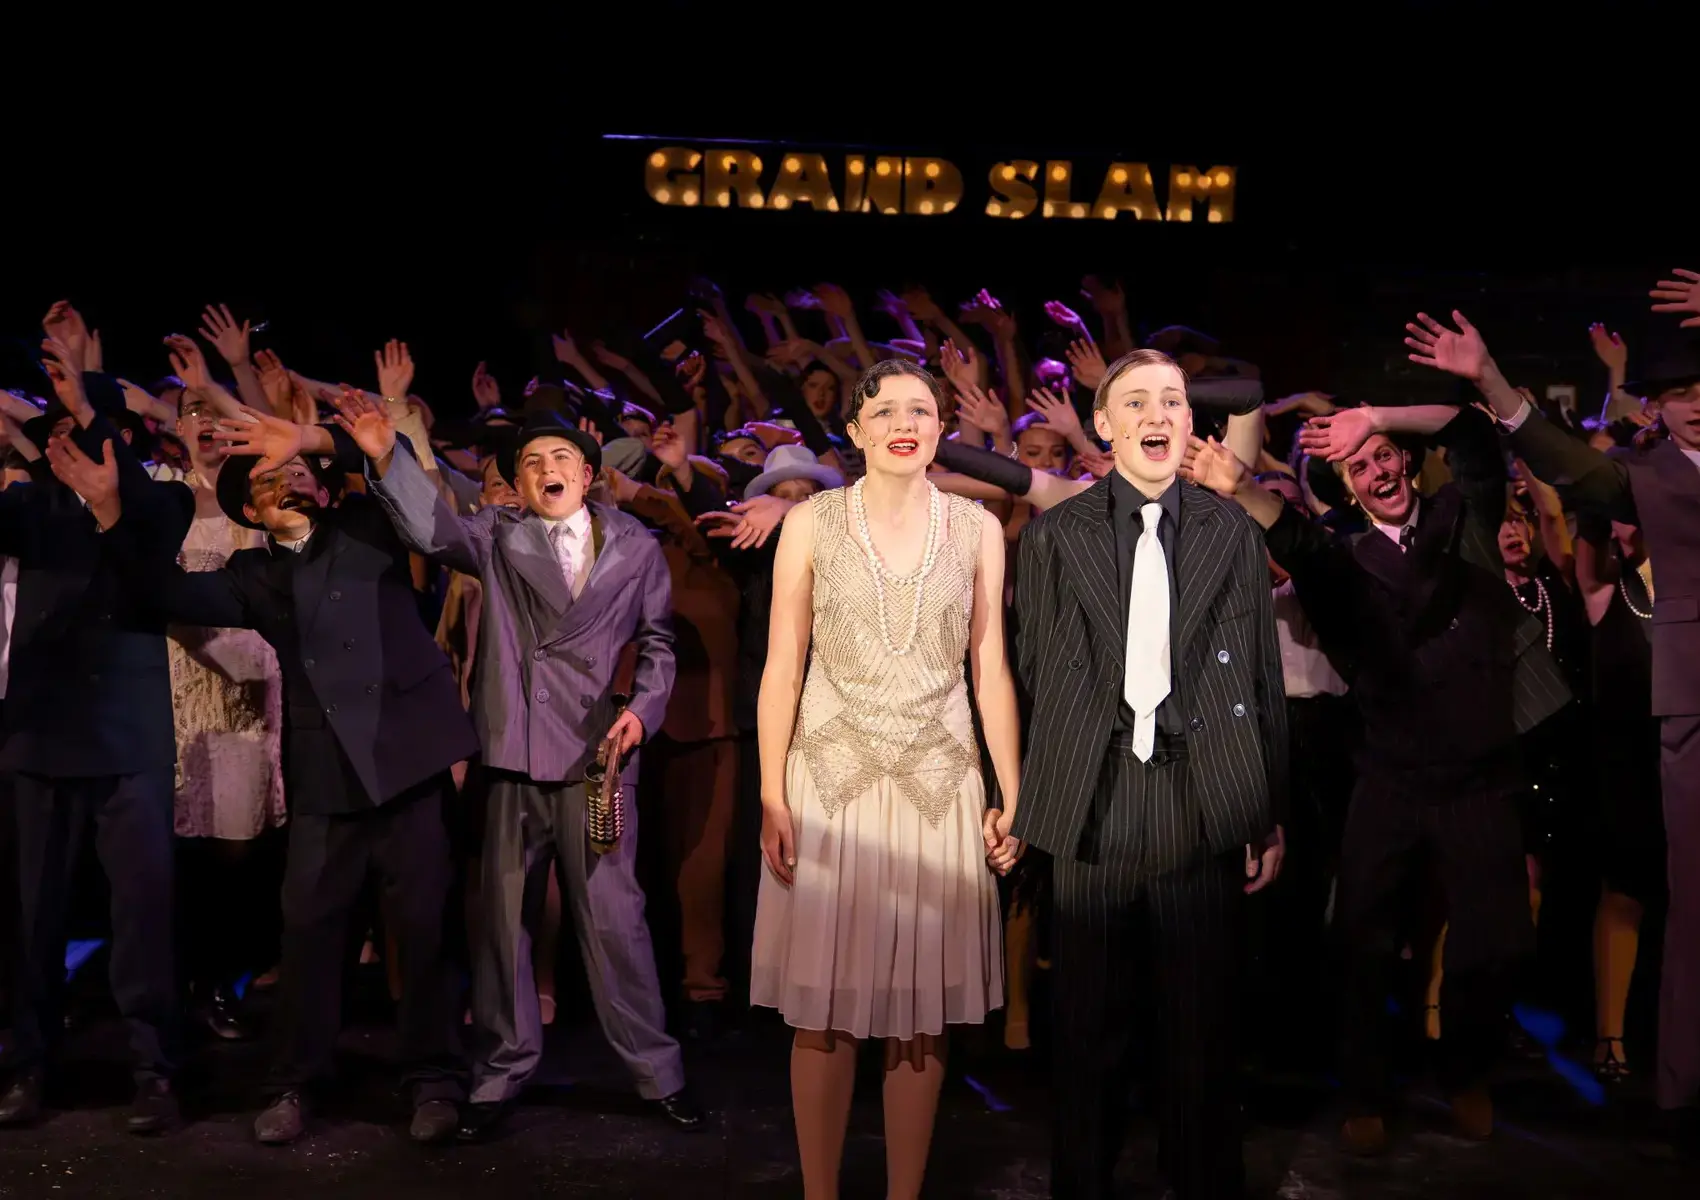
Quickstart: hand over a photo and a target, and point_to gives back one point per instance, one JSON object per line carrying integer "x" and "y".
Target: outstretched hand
{"x": 1608, "y": 347}
{"x": 1210, "y": 464}
{"x": 1681, "y": 295}
{"x": 395, "y": 370}
{"x": 223, "y": 334}
{"x": 273, "y": 439}
{"x": 95, "y": 482}
{"x": 367, "y": 422}
{"x": 1461, "y": 353}
{"x": 1337, "y": 436}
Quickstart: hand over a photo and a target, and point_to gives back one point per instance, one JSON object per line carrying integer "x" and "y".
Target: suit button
{"x": 1074, "y": 664}
{"x": 331, "y": 710}
{"x": 584, "y": 701}
{"x": 370, "y": 688}
{"x": 308, "y": 664}
{"x": 540, "y": 654}
{"x": 1453, "y": 624}
{"x": 1239, "y": 710}
{"x": 1196, "y": 724}
{"x": 336, "y": 595}
{"x": 349, "y": 644}
{"x": 590, "y": 660}
{"x": 1222, "y": 656}
{"x": 542, "y": 695}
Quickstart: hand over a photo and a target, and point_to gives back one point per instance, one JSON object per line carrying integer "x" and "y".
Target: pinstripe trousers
{"x": 1163, "y": 945}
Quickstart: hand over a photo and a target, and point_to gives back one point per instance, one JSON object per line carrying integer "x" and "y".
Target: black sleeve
{"x": 985, "y": 465}
{"x": 1477, "y": 464}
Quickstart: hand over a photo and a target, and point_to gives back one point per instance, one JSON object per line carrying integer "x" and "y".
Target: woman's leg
{"x": 1617, "y": 941}
{"x": 914, "y": 1073}
{"x": 1018, "y": 940}
{"x": 823, "y": 1077}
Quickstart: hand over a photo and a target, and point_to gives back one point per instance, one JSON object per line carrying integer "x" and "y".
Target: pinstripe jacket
{"x": 1071, "y": 654}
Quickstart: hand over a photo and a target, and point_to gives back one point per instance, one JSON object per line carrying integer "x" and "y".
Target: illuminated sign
{"x": 925, "y": 186}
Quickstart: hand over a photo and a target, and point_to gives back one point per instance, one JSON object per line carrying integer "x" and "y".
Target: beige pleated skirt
{"x": 891, "y": 927}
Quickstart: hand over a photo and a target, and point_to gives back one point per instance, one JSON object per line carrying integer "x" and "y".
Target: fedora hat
{"x": 104, "y": 395}
{"x": 791, "y": 462}
{"x": 1675, "y": 363}
{"x": 541, "y": 424}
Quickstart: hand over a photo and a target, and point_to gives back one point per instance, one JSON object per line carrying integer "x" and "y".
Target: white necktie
{"x": 1145, "y": 680}
{"x": 563, "y": 543}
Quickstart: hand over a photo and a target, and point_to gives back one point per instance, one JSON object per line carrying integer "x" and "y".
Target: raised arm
{"x": 790, "y": 622}
{"x": 1586, "y": 479}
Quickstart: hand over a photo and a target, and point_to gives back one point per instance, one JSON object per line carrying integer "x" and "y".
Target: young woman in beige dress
{"x": 878, "y": 911}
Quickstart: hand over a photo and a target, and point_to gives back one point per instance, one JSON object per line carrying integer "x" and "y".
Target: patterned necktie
{"x": 561, "y": 541}
{"x": 1145, "y": 677}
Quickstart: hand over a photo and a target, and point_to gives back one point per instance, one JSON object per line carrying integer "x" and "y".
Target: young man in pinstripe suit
{"x": 1155, "y": 776}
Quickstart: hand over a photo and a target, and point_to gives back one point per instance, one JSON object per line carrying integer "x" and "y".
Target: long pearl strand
{"x": 1623, "y": 590}
{"x": 1542, "y": 603}
{"x": 881, "y": 574}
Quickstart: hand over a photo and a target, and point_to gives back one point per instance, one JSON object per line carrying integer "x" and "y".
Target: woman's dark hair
{"x": 868, "y": 386}
{"x": 815, "y": 365}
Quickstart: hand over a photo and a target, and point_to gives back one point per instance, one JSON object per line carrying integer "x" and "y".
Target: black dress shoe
{"x": 154, "y": 1110}
{"x": 283, "y": 1122}
{"x": 682, "y": 1109}
{"x": 479, "y": 1121}
{"x": 223, "y": 1015}
{"x": 20, "y": 1103}
{"x": 434, "y": 1122}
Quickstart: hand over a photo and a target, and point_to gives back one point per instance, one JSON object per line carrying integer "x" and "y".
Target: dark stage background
{"x": 471, "y": 227}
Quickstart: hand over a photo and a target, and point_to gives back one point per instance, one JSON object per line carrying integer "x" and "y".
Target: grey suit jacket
{"x": 542, "y": 692}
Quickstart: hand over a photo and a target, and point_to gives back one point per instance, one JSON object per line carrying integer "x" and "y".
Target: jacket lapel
{"x": 1089, "y": 555}
{"x": 525, "y": 547}
{"x": 607, "y": 574}
{"x": 311, "y": 577}
{"x": 1200, "y": 561}
{"x": 1677, "y": 472}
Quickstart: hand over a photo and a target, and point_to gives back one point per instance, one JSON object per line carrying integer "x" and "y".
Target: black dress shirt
{"x": 1126, "y": 503}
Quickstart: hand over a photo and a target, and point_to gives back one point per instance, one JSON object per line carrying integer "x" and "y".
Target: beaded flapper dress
{"x": 891, "y": 927}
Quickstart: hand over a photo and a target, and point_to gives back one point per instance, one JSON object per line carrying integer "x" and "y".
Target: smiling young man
{"x": 1447, "y": 670}
{"x": 1156, "y": 764}
{"x": 567, "y": 584}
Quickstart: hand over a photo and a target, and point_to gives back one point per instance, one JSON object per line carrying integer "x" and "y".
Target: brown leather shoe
{"x": 1472, "y": 1114}
{"x": 1365, "y": 1137}
{"x": 283, "y": 1122}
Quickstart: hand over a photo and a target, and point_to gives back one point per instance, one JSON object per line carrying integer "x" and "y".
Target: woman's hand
{"x": 1002, "y": 851}
{"x": 778, "y": 840}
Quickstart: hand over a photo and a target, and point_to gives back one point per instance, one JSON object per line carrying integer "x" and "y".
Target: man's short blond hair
{"x": 1126, "y": 363}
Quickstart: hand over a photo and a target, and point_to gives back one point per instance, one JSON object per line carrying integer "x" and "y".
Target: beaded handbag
{"x": 605, "y": 817}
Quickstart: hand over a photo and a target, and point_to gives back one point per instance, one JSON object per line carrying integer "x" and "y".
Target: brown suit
{"x": 699, "y": 755}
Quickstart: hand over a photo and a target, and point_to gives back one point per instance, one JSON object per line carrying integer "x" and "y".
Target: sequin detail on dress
{"x": 866, "y": 713}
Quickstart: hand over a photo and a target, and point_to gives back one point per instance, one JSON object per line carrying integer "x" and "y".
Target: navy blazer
{"x": 371, "y": 703}
{"x": 89, "y": 692}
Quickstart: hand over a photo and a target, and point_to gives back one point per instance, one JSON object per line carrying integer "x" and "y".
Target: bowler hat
{"x": 234, "y": 488}
{"x": 541, "y": 424}
{"x": 1673, "y": 364}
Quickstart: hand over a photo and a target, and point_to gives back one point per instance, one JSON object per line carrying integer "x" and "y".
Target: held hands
{"x": 1263, "y": 863}
{"x": 778, "y": 840}
{"x": 1463, "y": 353}
{"x": 395, "y": 370}
{"x": 1337, "y": 436}
{"x": 1002, "y": 851}
{"x": 1679, "y": 296}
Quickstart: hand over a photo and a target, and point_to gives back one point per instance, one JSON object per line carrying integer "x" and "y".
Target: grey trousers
{"x": 529, "y": 825}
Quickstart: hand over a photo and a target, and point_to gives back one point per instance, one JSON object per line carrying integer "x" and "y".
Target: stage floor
{"x": 587, "y": 1136}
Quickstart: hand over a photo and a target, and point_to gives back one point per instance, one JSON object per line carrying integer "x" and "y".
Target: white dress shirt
{"x": 294, "y": 545}
{"x": 575, "y": 539}
{"x": 1304, "y": 667}
{"x": 1395, "y": 532}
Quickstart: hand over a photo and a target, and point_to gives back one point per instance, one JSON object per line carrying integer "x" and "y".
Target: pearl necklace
{"x": 1542, "y": 603}
{"x": 1623, "y": 590}
{"x": 881, "y": 575}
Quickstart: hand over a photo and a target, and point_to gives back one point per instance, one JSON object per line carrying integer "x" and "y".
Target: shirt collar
{"x": 576, "y": 524}
{"x": 1126, "y": 499}
{"x": 297, "y": 545}
{"x": 1394, "y": 531}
